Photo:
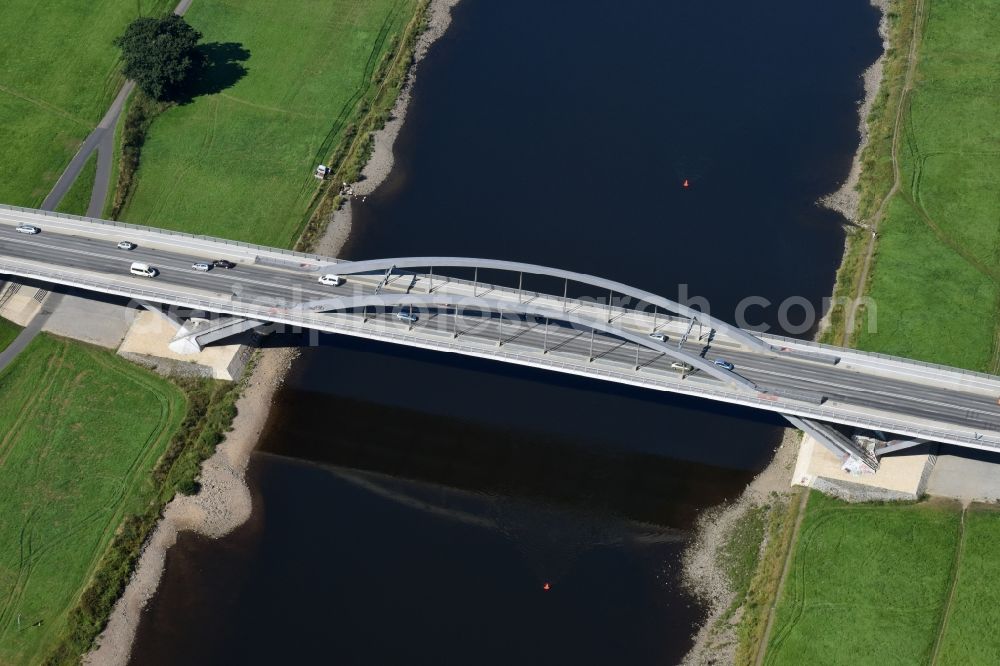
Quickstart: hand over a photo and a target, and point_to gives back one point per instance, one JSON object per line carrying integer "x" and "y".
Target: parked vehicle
{"x": 145, "y": 270}
{"x": 723, "y": 363}
{"x": 126, "y": 245}
{"x": 331, "y": 280}
{"x": 202, "y": 266}
{"x": 27, "y": 229}
{"x": 223, "y": 263}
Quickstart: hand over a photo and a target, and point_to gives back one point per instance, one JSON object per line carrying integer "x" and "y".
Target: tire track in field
{"x": 128, "y": 480}
{"x": 26, "y": 410}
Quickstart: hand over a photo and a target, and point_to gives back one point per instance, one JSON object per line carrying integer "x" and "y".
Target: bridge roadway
{"x": 542, "y": 330}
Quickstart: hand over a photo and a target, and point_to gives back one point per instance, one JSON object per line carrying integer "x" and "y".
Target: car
{"x": 223, "y": 263}
{"x": 331, "y": 280}
{"x": 202, "y": 266}
{"x": 126, "y": 245}
{"x": 683, "y": 367}
{"x": 27, "y": 229}
{"x": 406, "y": 315}
{"x": 144, "y": 270}
{"x": 658, "y": 336}
{"x": 723, "y": 363}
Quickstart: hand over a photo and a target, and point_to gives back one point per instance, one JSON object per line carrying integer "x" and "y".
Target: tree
{"x": 159, "y": 53}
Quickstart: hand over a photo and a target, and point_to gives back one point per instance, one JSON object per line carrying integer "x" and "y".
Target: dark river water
{"x": 410, "y": 507}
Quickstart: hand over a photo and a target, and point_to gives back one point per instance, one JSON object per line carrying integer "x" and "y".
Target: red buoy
{"x": 546, "y": 587}
{"x": 686, "y": 184}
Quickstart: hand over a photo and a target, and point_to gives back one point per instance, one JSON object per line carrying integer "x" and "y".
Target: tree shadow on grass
{"x": 221, "y": 67}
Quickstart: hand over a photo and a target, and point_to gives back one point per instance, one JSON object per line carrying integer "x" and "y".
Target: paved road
{"x": 270, "y": 286}
{"x": 28, "y": 333}
{"x": 102, "y": 139}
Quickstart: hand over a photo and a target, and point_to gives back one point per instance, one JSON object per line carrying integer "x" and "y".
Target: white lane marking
{"x": 171, "y": 262}
{"x": 904, "y": 398}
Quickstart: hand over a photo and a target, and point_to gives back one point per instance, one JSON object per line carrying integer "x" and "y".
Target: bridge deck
{"x": 884, "y": 393}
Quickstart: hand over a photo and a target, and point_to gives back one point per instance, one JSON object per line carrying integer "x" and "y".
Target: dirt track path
{"x": 904, "y": 98}
{"x": 762, "y": 648}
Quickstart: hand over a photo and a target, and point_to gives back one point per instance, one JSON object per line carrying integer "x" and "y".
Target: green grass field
{"x": 58, "y": 74}
{"x": 936, "y": 275}
{"x": 77, "y": 199}
{"x": 238, "y": 163}
{"x": 80, "y": 430}
{"x": 868, "y": 584}
{"x": 970, "y": 637}
{"x": 8, "y": 331}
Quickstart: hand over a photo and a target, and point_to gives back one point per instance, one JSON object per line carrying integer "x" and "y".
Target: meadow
{"x": 80, "y": 431}
{"x": 936, "y": 275}
{"x": 77, "y": 198}
{"x": 970, "y": 637}
{"x": 8, "y": 331}
{"x": 286, "y": 82}
{"x": 868, "y": 584}
{"x": 58, "y": 74}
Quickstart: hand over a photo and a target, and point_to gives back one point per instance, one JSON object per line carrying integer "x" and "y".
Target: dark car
{"x": 223, "y": 263}
{"x": 722, "y": 363}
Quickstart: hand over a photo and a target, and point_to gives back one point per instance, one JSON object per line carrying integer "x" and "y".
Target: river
{"x": 413, "y": 507}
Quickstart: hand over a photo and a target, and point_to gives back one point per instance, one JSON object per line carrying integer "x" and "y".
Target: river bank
{"x": 846, "y": 199}
{"x": 223, "y": 502}
{"x": 719, "y": 639}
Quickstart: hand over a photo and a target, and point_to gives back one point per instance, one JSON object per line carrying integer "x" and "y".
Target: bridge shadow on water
{"x": 541, "y": 435}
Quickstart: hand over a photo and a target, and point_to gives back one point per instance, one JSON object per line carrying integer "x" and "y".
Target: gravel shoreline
{"x": 702, "y": 574}
{"x": 224, "y": 501}
{"x": 845, "y": 199}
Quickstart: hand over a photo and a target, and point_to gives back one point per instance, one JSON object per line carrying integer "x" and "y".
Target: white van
{"x": 145, "y": 270}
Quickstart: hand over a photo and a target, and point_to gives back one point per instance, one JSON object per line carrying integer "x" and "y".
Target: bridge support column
{"x": 591, "y": 359}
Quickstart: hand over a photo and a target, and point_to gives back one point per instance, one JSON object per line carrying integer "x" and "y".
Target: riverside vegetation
{"x": 915, "y": 583}
{"x": 350, "y": 63}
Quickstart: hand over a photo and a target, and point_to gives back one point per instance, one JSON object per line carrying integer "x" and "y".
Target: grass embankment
{"x": 81, "y": 430}
{"x": 89, "y": 443}
{"x": 969, "y": 636}
{"x": 861, "y": 583}
{"x": 935, "y": 274}
{"x": 762, "y": 587}
{"x": 58, "y": 74}
{"x": 867, "y": 581}
{"x": 8, "y": 331}
{"x": 77, "y": 198}
{"x": 238, "y": 160}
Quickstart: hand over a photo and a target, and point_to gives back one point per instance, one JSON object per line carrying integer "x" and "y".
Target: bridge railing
{"x": 114, "y": 224}
{"x": 888, "y": 357}
{"x": 526, "y": 296}
{"x": 340, "y": 323}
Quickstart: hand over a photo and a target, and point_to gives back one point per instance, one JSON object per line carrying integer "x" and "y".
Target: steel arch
{"x": 372, "y": 265}
{"x": 391, "y": 300}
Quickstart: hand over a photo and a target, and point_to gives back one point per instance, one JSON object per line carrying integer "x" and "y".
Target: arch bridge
{"x": 484, "y": 308}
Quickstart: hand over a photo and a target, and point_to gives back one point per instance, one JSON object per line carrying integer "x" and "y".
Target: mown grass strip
{"x": 58, "y": 75}
{"x": 8, "y": 331}
{"x": 970, "y": 638}
{"x": 238, "y": 160}
{"x": 868, "y": 580}
{"x": 80, "y": 430}
{"x": 77, "y": 198}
